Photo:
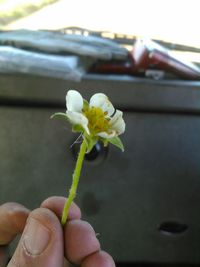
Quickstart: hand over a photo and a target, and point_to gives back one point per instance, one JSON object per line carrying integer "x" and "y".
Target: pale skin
{"x": 44, "y": 242}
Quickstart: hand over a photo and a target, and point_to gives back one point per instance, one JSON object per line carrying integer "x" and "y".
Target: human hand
{"x": 44, "y": 243}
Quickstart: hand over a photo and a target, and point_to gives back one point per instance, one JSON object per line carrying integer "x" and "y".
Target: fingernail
{"x": 36, "y": 237}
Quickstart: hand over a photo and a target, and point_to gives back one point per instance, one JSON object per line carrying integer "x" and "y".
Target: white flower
{"x": 97, "y": 118}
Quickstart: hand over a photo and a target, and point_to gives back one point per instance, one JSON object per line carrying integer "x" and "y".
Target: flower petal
{"x": 117, "y": 123}
{"x": 74, "y": 101}
{"x": 101, "y": 101}
{"x": 78, "y": 118}
{"x": 107, "y": 135}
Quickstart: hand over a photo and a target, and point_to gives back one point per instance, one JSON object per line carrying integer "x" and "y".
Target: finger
{"x": 13, "y": 219}
{"x": 98, "y": 259}
{"x": 80, "y": 241}
{"x": 66, "y": 263}
{"x": 3, "y": 255}
{"x": 56, "y": 204}
{"x": 41, "y": 244}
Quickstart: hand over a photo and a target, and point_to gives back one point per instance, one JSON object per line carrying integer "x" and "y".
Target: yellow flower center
{"x": 96, "y": 120}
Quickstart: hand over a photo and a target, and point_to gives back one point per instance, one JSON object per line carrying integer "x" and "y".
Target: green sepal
{"x": 85, "y": 105}
{"x": 116, "y": 141}
{"x": 91, "y": 142}
{"x": 77, "y": 128}
{"x": 60, "y": 115}
{"x": 105, "y": 142}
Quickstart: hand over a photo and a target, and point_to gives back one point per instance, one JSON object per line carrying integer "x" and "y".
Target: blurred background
{"x": 168, "y": 20}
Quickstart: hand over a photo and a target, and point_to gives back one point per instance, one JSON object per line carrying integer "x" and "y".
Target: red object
{"x": 114, "y": 66}
{"x": 149, "y": 55}
{"x": 145, "y": 57}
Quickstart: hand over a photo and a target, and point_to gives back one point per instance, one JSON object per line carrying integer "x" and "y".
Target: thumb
{"x": 41, "y": 244}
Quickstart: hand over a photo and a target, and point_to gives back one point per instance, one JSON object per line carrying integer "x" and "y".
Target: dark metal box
{"x": 144, "y": 203}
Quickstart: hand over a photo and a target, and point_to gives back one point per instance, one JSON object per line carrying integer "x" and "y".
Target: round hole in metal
{"x": 97, "y": 154}
{"x": 172, "y": 227}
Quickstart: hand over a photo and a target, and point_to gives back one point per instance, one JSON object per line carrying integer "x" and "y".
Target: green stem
{"x": 75, "y": 180}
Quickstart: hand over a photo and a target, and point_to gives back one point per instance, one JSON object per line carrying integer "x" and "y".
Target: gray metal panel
{"x": 126, "y": 196}
{"x": 126, "y": 92}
